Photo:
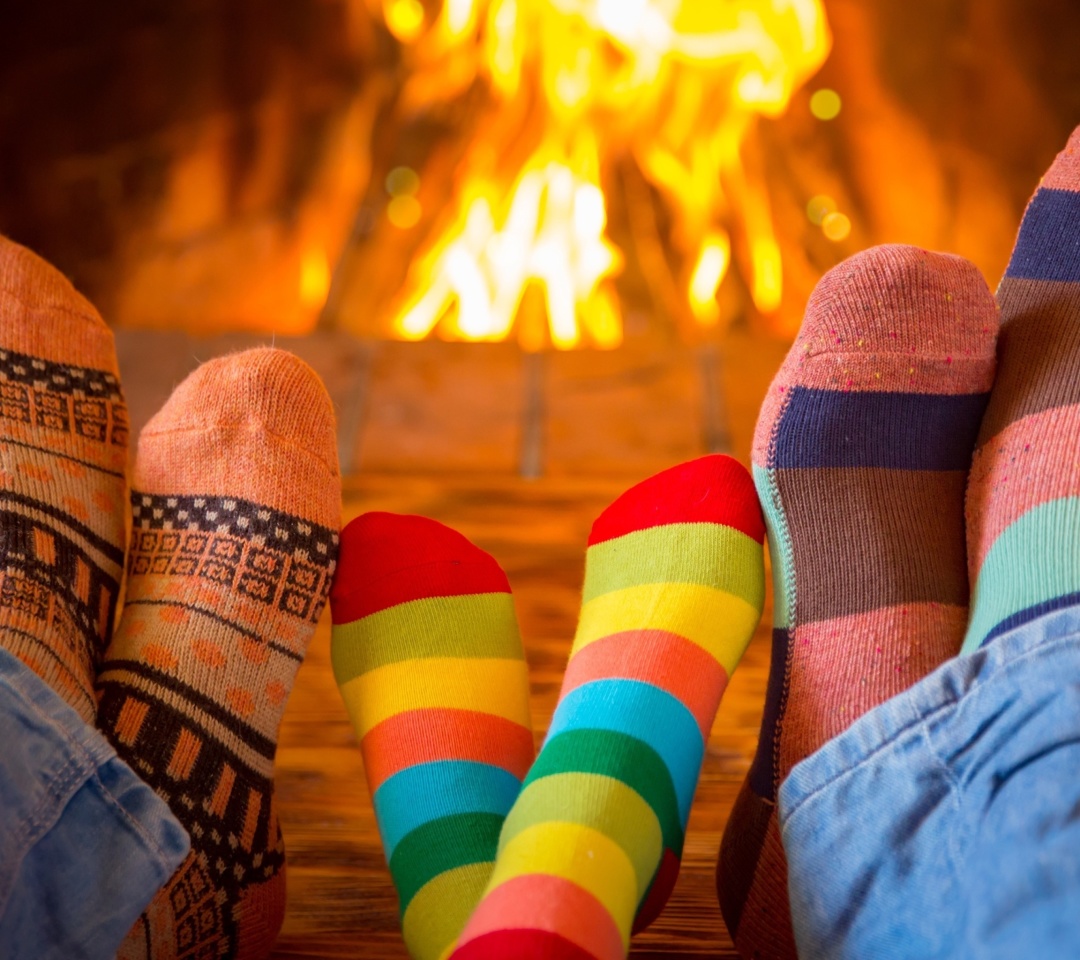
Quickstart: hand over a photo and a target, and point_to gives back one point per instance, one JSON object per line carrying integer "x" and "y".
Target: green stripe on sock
{"x": 441, "y": 845}
{"x": 610, "y": 754}
{"x": 1035, "y": 559}
{"x": 780, "y": 551}
{"x": 478, "y": 625}
{"x": 703, "y": 553}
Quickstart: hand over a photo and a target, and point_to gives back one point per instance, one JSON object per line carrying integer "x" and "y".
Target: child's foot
{"x": 63, "y": 439}
{"x": 1023, "y": 501}
{"x": 674, "y": 586}
{"x": 428, "y": 656}
{"x": 860, "y": 457}
{"x": 235, "y": 510}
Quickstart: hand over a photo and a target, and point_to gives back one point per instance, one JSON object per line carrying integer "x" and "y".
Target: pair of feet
{"x": 234, "y": 518}
{"x": 890, "y": 555}
{"x": 861, "y": 459}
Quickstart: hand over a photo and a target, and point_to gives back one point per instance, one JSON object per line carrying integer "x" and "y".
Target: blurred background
{"x": 537, "y": 250}
{"x": 559, "y": 175}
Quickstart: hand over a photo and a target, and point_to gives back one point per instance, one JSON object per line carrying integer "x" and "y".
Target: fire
{"x": 576, "y": 89}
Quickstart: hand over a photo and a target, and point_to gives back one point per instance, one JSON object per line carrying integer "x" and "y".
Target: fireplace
{"x": 572, "y": 172}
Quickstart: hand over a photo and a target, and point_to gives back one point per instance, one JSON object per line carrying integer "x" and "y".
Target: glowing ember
{"x": 577, "y": 87}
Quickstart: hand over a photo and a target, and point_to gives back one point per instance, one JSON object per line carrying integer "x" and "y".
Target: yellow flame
{"x": 674, "y": 85}
{"x": 404, "y": 18}
{"x": 709, "y": 272}
{"x": 314, "y": 278}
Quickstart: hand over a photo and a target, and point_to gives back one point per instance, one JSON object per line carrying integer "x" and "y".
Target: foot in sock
{"x": 235, "y": 510}
{"x": 427, "y": 652}
{"x": 63, "y": 439}
{"x": 674, "y": 586}
{"x": 860, "y": 457}
{"x": 1023, "y": 501}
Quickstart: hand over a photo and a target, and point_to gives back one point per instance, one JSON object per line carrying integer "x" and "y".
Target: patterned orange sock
{"x": 235, "y": 509}
{"x": 63, "y": 444}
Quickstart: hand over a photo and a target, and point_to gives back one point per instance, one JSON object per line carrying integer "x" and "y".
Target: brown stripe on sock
{"x": 1038, "y": 351}
{"x": 740, "y": 851}
{"x": 871, "y": 510}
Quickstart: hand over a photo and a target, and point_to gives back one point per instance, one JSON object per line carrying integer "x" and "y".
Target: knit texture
{"x": 674, "y": 586}
{"x": 860, "y": 456}
{"x": 427, "y": 653}
{"x": 63, "y": 491}
{"x": 1023, "y": 500}
{"x": 235, "y": 514}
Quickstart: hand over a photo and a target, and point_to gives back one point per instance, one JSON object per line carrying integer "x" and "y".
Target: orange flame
{"x": 577, "y": 86}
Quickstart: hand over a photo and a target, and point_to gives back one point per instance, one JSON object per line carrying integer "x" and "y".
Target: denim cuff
{"x": 84, "y": 843}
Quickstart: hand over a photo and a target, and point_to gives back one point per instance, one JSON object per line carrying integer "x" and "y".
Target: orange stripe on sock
{"x": 82, "y": 580}
{"x": 184, "y": 755}
{"x": 220, "y": 800}
{"x": 554, "y": 904}
{"x": 665, "y": 660}
{"x": 130, "y": 720}
{"x": 424, "y": 736}
{"x": 44, "y": 546}
{"x": 251, "y": 819}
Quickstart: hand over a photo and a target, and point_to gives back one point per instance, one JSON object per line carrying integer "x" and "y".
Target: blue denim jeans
{"x": 946, "y": 822}
{"x": 84, "y": 843}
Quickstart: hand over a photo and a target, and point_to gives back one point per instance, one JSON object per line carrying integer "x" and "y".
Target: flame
{"x": 577, "y": 87}
{"x": 314, "y": 278}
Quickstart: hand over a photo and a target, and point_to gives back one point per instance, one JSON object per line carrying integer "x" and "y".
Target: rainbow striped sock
{"x": 860, "y": 455}
{"x": 1023, "y": 499}
{"x": 674, "y": 586}
{"x": 427, "y": 653}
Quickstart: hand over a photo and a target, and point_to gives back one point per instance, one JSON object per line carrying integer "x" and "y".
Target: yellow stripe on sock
{"x": 579, "y": 854}
{"x": 438, "y": 912}
{"x": 718, "y": 622}
{"x": 498, "y": 687}
{"x": 604, "y": 803}
{"x": 476, "y": 625}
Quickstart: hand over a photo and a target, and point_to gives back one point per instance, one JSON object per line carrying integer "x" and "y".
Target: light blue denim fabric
{"x": 84, "y": 843}
{"x": 946, "y": 822}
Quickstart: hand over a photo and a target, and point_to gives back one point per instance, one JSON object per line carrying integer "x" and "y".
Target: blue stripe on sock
{"x": 899, "y": 431}
{"x": 645, "y": 712}
{"x": 1021, "y": 617}
{"x": 1048, "y": 246}
{"x": 431, "y": 791}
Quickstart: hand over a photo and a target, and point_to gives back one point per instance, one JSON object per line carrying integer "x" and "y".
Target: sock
{"x": 674, "y": 586}
{"x": 428, "y": 656}
{"x": 1023, "y": 502}
{"x": 235, "y": 509}
{"x": 860, "y": 456}
{"x": 63, "y": 438}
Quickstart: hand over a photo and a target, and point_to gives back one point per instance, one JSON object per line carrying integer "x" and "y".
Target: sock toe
{"x": 257, "y": 425}
{"x": 712, "y": 489}
{"x": 46, "y": 317}
{"x": 387, "y": 559}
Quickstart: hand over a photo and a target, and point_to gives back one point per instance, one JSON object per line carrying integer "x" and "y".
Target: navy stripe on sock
{"x": 764, "y": 766}
{"x": 1021, "y": 617}
{"x": 900, "y": 431}
{"x": 1048, "y": 246}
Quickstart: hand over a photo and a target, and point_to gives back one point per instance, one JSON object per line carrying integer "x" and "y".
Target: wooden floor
{"x": 443, "y": 430}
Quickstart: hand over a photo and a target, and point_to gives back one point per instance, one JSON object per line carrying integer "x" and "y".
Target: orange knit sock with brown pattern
{"x": 235, "y": 506}
{"x": 63, "y": 453}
